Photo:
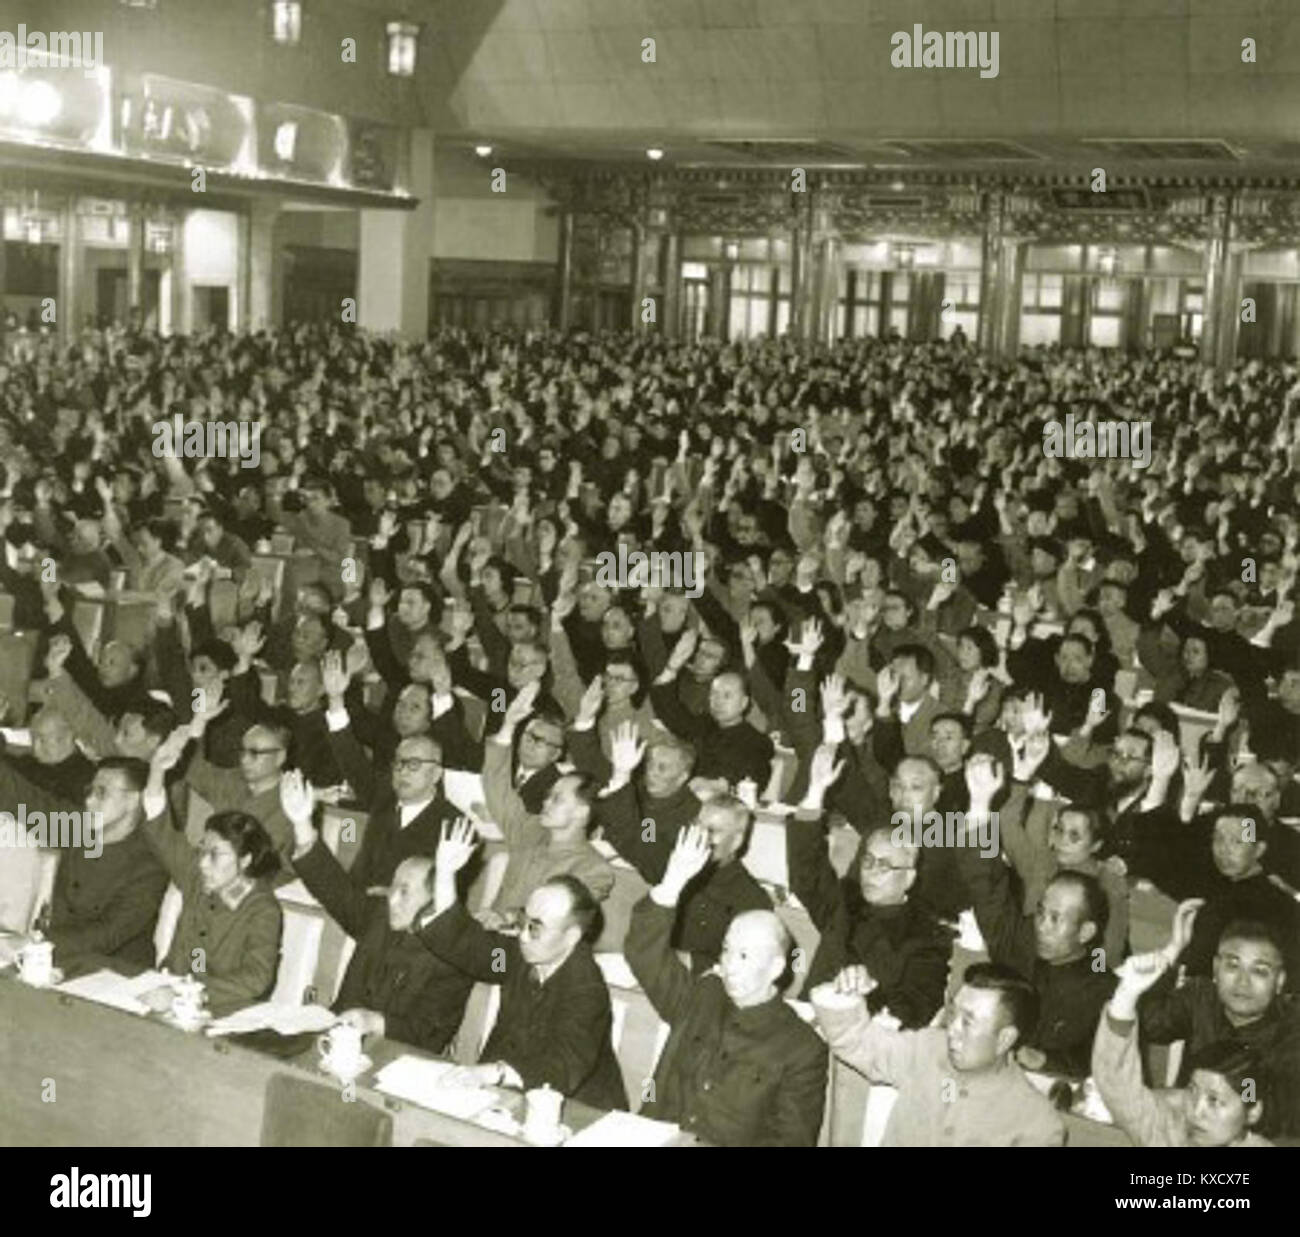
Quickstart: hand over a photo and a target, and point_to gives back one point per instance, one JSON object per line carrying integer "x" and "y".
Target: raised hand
{"x": 984, "y": 778}
{"x": 684, "y": 649}
{"x": 626, "y": 749}
{"x": 334, "y": 675}
{"x": 1028, "y": 754}
{"x": 589, "y": 706}
{"x": 59, "y": 651}
{"x": 168, "y": 753}
{"x": 835, "y": 699}
{"x": 1032, "y": 718}
{"x": 1184, "y": 921}
{"x": 297, "y": 799}
{"x": 522, "y": 705}
{"x": 248, "y": 641}
{"x": 690, "y": 854}
{"x": 1197, "y": 778}
{"x": 456, "y": 846}
{"x": 824, "y": 771}
{"x": 887, "y": 685}
{"x": 1164, "y": 757}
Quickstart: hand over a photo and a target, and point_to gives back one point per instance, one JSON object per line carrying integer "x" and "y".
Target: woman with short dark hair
{"x": 228, "y": 933}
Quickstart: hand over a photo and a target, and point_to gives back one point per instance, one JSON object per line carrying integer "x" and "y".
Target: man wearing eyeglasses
{"x": 252, "y": 787}
{"x": 406, "y": 814}
{"x": 868, "y": 919}
{"x": 555, "y": 1022}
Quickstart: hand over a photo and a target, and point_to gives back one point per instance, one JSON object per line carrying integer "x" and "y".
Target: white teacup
{"x": 187, "y": 1004}
{"x": 542, "y": 1116}
{"x": 340, "y": 1049}
{"x": 35, "y": 963}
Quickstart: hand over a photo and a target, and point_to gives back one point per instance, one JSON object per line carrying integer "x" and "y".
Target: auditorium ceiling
{"x": 1141, "y": 86}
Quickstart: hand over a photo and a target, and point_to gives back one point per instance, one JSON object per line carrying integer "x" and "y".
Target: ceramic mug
{"x": 35, "y": 963}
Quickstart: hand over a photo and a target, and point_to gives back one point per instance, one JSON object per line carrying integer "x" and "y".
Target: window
{"x": 860, "y": 297}
{"x": 402, "y": 37}
{"x": 286, "y": 21}
{"x": 1042, "y": 291}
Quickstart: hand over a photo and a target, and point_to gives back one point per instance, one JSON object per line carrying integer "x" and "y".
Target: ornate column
{"x": 670, "y": 311}
{"x": 1001, "y": 280}
{"x": 1224, "y": 259}
{"x": 68, "y": 305}
{"x": 565, "y": 269}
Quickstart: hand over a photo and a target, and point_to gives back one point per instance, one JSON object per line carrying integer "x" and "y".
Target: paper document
{"x": 284, "y": 1019}
{"x": 625, "y": 1129}
{"x": 109, "y": 988}
{"x": 462, "y": 789}
{"x": 422, "y": 1082}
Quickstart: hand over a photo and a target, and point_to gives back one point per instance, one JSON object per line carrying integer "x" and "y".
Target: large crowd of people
{"x": 907, "y": 610}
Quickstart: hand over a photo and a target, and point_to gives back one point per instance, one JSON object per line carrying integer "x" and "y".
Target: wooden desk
{"x": 124, "y": 1080}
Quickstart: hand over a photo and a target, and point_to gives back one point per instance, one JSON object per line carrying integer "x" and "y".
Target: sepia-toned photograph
{"x": 649, "y": 574}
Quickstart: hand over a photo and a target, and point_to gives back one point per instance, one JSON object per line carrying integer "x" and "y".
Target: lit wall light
{"x": 402, "y": 39}
{"x": 732, "y": 250}
{"x": 906, "y": 255}
{"x": 286, "y": 22}
{"x": 897, "y": 186}
{"x": 1106, "y": 261}
{"x": 654, "y": 153}
{"x": 483, "y": 150}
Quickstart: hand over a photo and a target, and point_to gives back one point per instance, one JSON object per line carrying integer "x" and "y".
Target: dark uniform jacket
{"x": 1071, "y": 995}
{"x": 751, "y": 1077}
{"x": 556, "y": 1033}
{"x": 421, "y": 997}
{"x": 712, "y": 899}
{"x": 107, "y": 907}
{"x": 904, "y": 947}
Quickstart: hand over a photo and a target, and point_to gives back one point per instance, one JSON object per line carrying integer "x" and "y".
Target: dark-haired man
{"x": 555, "y": 1020}
{"x": 1058, "y": 948}
{"x": 959, "y": 1086}
{"x": 1244, "y": 1000}
{"x": 105, "y": 906}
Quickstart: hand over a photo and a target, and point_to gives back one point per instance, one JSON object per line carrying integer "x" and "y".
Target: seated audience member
{"x": 1233, "y": 884}
{"x": 228, "y": 933}
{"x": 724, "y": 887}
{"x": 553, "y": 843}
{"x": 1243, "y": 1000}
{"x": 53, "y": 767}
{"x": 407, "y": 808}
{"x": 394, "y": 987}
{"x": 905, "y": 695}
{"x": 1042, "y": 838}
{"x": 959, "y": 1086}
{"x": 740, "y": 1067}
{"x": 868, "y": 918}
{"x": 1215, "y": 1109}
{"x": 1058, "y": 948}
{"x": 105, "y": 905}
{"x": 555, "y": 1020}
{"x": 254, "y": 786}
{"x": 728, "y": 746}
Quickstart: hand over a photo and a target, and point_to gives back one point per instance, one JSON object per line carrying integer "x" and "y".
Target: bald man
{"x": 740, "y": 1068}
{"x": 394, "y": 987}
